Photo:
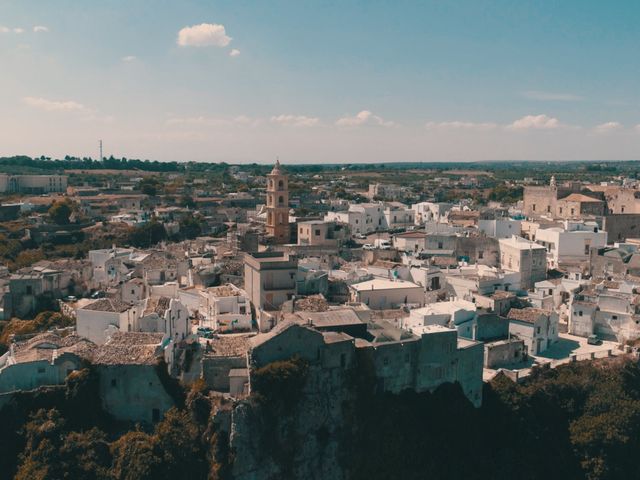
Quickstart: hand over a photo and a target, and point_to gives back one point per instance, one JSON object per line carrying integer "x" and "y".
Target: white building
{"x": 95, "y": 319}
{"x": 538, "y": 328}
{"x": 107, "y": 266}
{"x": 570, "y": 244}
{"x": 33, "y": 183}
{"x": 426, "y": 212}
{"x": 398, "y": 216}
{"x": 380, "y": 294}
{"x": 448, "y": 314}
{"x": 361, "y": 217}
{"x": 503, "y": 227}
{"x": 528, "y": 258}
{"x": 226, "y": 308}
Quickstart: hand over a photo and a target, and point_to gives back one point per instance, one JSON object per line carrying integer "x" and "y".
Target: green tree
{"x": 61, "y": 211}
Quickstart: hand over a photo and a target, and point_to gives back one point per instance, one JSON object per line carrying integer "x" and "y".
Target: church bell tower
{"x": 278, "y": 205}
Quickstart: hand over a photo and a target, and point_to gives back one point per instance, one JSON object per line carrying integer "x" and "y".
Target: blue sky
{"x": 341, "y": 81}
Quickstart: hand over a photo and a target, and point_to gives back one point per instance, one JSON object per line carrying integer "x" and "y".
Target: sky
{"x": 321, "y": 82}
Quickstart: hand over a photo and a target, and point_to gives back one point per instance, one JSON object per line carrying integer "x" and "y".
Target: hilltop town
{"x": 457, "y": 277}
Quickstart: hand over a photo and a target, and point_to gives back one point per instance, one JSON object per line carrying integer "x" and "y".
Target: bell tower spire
{"x": 278, "y": 204}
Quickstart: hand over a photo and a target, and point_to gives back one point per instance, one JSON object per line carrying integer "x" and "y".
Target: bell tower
{"x": 278, "y": 204}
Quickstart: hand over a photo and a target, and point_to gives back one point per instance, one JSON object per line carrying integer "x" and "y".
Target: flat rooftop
{"x": 383, "y": 284}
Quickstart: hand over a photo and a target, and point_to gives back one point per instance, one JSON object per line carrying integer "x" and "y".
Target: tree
{"x": 190, "y": 226}
{"x": 61, "y": 211}
{"x": 147, "y": 235}
{"x": 187, "y": 201}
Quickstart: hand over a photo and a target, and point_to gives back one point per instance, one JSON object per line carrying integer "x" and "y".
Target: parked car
{"x": 360, "y": 236}
{"x": 383, "y": 244}
{"x": 368, "y": 246}
{"x": 593, "y": 340}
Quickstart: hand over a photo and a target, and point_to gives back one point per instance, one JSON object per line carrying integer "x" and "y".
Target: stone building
{"x": 278, "y": 205}
{"x": 520, "y": 255}
{"x": 130, "y": 374}
{"x": 577, "y": 205}
{"x": 538, "y": 328}
{"x": 42, "y": 360}
{"x": 270, "y": 279}
{"x": 399, "y": 360}
{"x": 37, "y": 184}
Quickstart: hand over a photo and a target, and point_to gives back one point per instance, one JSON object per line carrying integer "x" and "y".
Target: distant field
{"x": 106, "y": 171}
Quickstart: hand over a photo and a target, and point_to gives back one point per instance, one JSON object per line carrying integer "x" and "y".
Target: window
{"x": 573, "y": 211}
{"x": 560, "y": 210}
{"x": 481, "y": 254}
{"x": 317, "y": 232}
{"x": 586, "y": 249}
{"x": 580, "y": 313}
{"x": 439, "y": 245}
{"x": 538, "y": 330}
{"x": 548, "y": 208}
{"x": 533, "y": 207}
{"x": 614, "y": 317}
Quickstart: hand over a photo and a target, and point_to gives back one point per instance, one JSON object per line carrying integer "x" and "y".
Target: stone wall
{"x": 622, "y": 226}
{"x": 215, "y": 370}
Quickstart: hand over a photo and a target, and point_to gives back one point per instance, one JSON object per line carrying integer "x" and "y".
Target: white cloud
{"x": 16, "y": 30}
{"x": 365, "y": 117}
{"x": 203, "y": 121}
{"x": 204, "y": 35}
{"x": 608, "y": 127}
{"x": 54, "y": 105}
{"x": 234, "y": 52}
{"x": 129, "y": 58}
{"x": 295, "y": 120}
{"x": 457, "y": 125}
{"x": 562, "y": 97}
{"x": 40, "y": 29}
{"x": 535, "y": 122}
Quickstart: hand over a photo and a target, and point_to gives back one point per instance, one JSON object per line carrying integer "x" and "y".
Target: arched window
{"x": 280, "y": 184}
{"x": 270, "y": 183}
{"x": 280, "y": 218}
{"x": 281, "y": 199}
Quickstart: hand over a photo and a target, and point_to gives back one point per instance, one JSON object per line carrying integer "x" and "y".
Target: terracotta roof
{"x": 157, "y": 305}
{"x": 229, "y": 345}
{"x": 529, "y": 314}
{"x": 578, "y": 197}
{"x": 108, "y": 305}
{"x": 47, "y": 346}
{"x": 130, "y": 348}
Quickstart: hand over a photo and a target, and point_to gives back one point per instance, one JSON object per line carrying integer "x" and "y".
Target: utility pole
{"x": 101, "y": 151}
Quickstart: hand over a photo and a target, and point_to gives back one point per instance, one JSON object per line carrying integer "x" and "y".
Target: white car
{"x": 368, "y": 246}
